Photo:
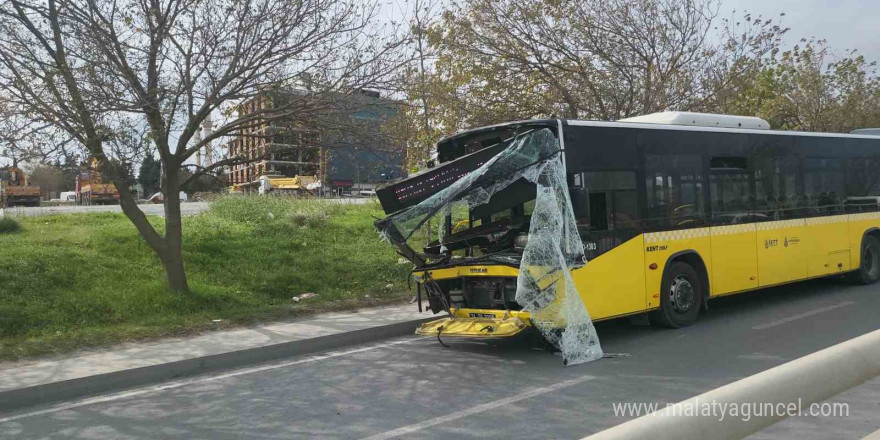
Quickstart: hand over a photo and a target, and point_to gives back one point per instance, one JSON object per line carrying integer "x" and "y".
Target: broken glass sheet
{"x": 544, "y": 285}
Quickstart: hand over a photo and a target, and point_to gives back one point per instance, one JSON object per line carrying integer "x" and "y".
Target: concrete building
{"x": 341, "y": 147}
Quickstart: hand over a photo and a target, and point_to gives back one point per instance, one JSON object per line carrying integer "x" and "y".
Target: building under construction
{"x": 338, "y": 149}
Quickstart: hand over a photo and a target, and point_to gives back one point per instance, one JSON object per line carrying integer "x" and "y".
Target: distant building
{"x": 344, "y": 150}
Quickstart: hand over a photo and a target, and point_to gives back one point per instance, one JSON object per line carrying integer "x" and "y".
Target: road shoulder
{"x": 27, "y": 383}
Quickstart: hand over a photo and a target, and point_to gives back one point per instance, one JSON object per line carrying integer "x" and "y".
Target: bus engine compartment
{"x": 506, "y": 242}
{"x": 472, "y": 292}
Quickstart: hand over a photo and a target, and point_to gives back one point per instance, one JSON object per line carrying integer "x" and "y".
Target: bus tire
{"x": 681, "y": 297}
{"x": 869, "y": 269}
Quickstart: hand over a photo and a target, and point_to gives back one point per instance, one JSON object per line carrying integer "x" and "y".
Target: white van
{"x": 68, "y": 197}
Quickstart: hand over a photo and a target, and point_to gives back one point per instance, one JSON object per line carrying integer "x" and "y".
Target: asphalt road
{"x": 413, "y": 388}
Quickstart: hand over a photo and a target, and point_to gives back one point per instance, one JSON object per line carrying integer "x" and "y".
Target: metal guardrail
{"x": 811, "y": 379}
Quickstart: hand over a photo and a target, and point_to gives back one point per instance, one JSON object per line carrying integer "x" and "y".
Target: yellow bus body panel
{"x": 827, "y": 244}
{"x": 734, "y": 258}
{"x": 613, "y": 284}
{"x": 782, "y": 251}
{"x": 469, "y": 271}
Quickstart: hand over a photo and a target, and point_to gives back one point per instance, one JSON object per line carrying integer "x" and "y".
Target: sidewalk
{"x": 28, "y": 383}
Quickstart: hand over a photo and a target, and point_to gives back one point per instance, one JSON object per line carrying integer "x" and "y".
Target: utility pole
{"x": 207, "y": 129}
{"x": 207, "y": 159}
{"x": 198, "y": 138}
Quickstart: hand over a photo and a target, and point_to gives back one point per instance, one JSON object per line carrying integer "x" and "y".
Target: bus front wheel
{"x": 681, "y": 297}
{"x": 869, "y": 269}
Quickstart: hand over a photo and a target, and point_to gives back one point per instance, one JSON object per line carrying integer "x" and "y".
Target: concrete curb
{"x": 21, "y": 398}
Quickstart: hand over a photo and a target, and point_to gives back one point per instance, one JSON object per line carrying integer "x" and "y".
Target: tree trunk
{"x": 175, "y": 274}
{"x": 171, "y": 256}
{"x": 167, "y": 248}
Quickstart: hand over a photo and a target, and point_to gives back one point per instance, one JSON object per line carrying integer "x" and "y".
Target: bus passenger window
{"x": 674, "y": 188}
{"x": 775, "y": 195}
{"x": 598, "y": 212}
{"x": 731, "y": 198}
{"x": 862, "y": 178}
{"x": 824, "y": 186}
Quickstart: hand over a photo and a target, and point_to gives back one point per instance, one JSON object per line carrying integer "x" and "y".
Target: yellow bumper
{"x": 472, "y": 323}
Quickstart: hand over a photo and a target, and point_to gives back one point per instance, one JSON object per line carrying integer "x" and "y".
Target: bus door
{"x": 733, "y": 232}
{"x": 781, "y": 240}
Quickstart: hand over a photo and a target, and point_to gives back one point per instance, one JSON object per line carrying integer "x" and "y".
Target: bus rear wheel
{"x": 681, "y": 297}
{"x": 869, "y": 269}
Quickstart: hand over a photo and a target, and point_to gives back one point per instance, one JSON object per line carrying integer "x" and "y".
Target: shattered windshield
{"x": 530, "y": 167}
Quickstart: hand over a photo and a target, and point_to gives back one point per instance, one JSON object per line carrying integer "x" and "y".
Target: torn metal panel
{"x": 553, "y": 247}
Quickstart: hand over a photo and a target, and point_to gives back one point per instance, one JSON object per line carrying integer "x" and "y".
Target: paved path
{"x": 413, "y": 388}
{"x": 14, "y": 375}
{"x": 189, "y": 208}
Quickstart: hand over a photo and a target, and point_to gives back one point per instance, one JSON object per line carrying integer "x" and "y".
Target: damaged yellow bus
{"x": 672, "y": 209}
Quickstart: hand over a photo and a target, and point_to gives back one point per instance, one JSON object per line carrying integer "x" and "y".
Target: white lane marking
{"x": 476, "y": 409}
{"x": 185, "y": 382}
{"x": 802, "y": 315}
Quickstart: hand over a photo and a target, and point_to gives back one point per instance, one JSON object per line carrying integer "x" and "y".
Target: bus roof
{"x": 655, "y": 126}
{"x": 701, "y": 120}
{"x": 857, "y": 134}
{"x": 867, "y": 131}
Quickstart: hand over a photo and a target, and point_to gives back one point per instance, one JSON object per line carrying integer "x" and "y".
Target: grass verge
{"x": 74, "y": 281}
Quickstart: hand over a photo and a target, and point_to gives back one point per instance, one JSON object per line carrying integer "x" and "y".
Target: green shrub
{"x": 253, "y": 209}
{"x": 313, "y": 213}
{"x": 8, "y": 225}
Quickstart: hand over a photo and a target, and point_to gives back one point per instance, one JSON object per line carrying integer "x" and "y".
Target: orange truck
{"x": 14, "y": 189}
{"x": 91, "y": 190}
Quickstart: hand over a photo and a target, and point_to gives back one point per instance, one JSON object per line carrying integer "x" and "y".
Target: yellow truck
{"x": 14, "y": 189}
{"x": 287, "y": 185}
{"x": 92, "y": 190}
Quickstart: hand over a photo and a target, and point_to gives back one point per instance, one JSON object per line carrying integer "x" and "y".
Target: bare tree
{"x": 424, "y": 13}
{"x": 84, "y": 67}
{"x": 596, "y": 59}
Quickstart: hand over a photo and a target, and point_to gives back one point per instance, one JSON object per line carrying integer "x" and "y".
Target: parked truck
{"x": 92, "y": 190}
{"x": 15, "y": 190}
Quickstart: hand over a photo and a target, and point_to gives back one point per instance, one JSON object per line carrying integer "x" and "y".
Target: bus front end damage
{"x": 480, "y": 299}
{"x": 506, "y": 243}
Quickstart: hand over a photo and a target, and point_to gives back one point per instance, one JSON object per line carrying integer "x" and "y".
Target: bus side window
{"x": 598, "y": 212}
{"x": 824, "y": 185}
{"x": 730, "y": 193}
{"x": 862, "y": 178}
{"x": 604, "y": 200}
{"x": 674, "y": 188}
{"x": 776, "y": 194}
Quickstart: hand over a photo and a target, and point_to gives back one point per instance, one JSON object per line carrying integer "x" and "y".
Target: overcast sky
{"x": 846, "y": 24}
